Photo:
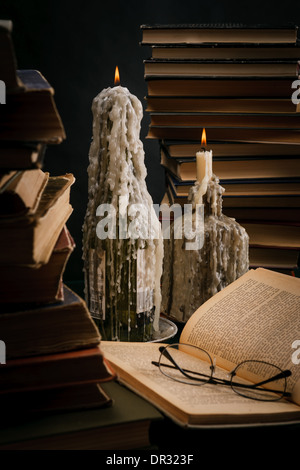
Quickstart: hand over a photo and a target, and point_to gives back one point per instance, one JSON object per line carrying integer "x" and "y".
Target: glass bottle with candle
{"x": 122, "y": 240}
{"x": 192, "y": 275}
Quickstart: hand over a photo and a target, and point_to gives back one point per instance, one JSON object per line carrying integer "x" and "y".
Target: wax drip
{"x": 190, "y": 277}
{"x": 116, "y": 176}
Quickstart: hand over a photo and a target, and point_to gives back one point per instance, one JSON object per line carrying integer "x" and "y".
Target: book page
{"x": 188, "y": 404}
{"x": 256, "y": 317}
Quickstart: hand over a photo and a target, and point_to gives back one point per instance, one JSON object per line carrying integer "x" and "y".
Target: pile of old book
{"x": 241, "y": 85}
{"x": 52, "y": 357}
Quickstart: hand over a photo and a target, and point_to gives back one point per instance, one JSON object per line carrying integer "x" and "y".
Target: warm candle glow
{"x": 203, "y": 139}
{"x": 204, "y": 167}
{"x": 117, "y": 76}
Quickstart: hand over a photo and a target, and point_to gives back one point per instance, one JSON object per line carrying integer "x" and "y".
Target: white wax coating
{"x": 204, "y": 173}
{"x": 192, "y": 277}
{"x": 116, "y": 128}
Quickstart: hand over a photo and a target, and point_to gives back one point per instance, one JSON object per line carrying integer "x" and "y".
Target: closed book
{"x": 226, "y": 120}
{"x": 31, "y": 114}
{"x": 29, "y": 240}
{"x": 21, "y": 155}
{"x": 51, "y": 328}
{"x": 217, "y": 33}
{"x": 265, "y": 214}
{"x": 8, "y": 62}
{"x": 252, "y": 200}
{"x": 274, "y": 258}
{"x": 226, "y": 51}
{"x": 54, "y": 370}
{"x": 273, "y": 234}
{"x": 125, "y": 425}
{"x": 229, "y": 169}
{"x": 215, "y": 86}
{"x": 181, "y": 149}
{"x": 225, "y": 68}
{"x": 37, "y": 285}
{"x": 19, "y": 406}
{"x": 21, "y": 191}
{"x": 226, "y": 134}
{"x": 176, "y": 104}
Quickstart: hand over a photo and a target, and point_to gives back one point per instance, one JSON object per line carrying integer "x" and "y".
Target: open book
{"x": 256, "y": 317}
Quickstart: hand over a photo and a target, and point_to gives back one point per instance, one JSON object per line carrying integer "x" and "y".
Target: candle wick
{"x": 203, "y": 149}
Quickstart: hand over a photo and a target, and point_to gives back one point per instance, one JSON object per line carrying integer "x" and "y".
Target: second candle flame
{"x": 203, "y": 139}
{"x": 117, "y": 76}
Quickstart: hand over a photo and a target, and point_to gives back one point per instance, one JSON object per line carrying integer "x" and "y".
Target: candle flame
{"x": 117, "y": 76}
{"x": 203, "y": 139}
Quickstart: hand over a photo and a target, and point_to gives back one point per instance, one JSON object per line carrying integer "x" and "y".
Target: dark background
{"x": 76, "y": 46}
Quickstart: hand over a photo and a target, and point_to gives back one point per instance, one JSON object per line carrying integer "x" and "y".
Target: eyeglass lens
{"x": 181, "y": 363}
{"x": 270, "y": 388}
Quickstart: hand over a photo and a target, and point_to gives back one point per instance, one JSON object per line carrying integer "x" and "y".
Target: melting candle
{"x": 119, "y": 269}
{"x": 190, "y": 277}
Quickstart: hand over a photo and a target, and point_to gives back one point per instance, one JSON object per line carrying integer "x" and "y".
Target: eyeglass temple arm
{"x": 166, "y": 353}
{"x": 185, "y": 372}
{"x": 281, "y": 375}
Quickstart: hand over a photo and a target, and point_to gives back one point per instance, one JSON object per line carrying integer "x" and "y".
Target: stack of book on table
{"x": 53, "y": 359}
{"x": 240, "y": 83}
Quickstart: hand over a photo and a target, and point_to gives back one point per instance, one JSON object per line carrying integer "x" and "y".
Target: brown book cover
{"x": 33, "y": 330}
{"x": 30, "y": 240}
{"x": 42, "y": 284}
{"x": 21, "y": 192}
{"x": 31, "y": 113}
{"x": 55, "y": 370}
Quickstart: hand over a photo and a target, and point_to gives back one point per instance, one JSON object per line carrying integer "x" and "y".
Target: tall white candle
{"x": 117, "y": 175}
{"x": 204, "y": 172}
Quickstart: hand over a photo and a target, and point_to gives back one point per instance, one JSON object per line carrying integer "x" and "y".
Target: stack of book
{"x": 240, "y": 83}
{"x": 52, "y": 355}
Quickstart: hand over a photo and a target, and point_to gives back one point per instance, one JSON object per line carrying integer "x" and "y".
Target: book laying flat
{"x": 226, "y": 134}
{"x": 247, "y": 320}
{"x": 286, "y": 235}
{"x": 125, "y": 425}
{"x": 40, "y": 330}
{"x": 21, "y": 192}
{"x": 274, "y": 258}
{"x": 229, "y": 68}
{"x": 226, "y": 52}
{"x": 178, "y": 149}
{"x": 31, "y": 113}
{"x": 29, "y": 404}
{"x": 217, "y": 33}
{"x": 264, "y": 214}
{"x": 246, "y": 199}
{"x": 226, "y": 120}
{"x": 21, "y": 155}
{"x": 35, "y": 285}
{"x": 247, "y": 187}
{"x": 29, "y": 240}
{"x": 8, "y": 62}
{"x": 220, "y": 105}
{"x": 226, "y": 169}
{"x": 55, "y": 370}
{"x": 213, "y": 87}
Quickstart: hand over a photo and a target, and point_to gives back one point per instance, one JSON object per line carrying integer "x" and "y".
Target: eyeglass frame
{"x": 218, "y": 381}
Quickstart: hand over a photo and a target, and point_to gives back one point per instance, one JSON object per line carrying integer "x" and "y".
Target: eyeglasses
{"x": 194, "y": 366}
